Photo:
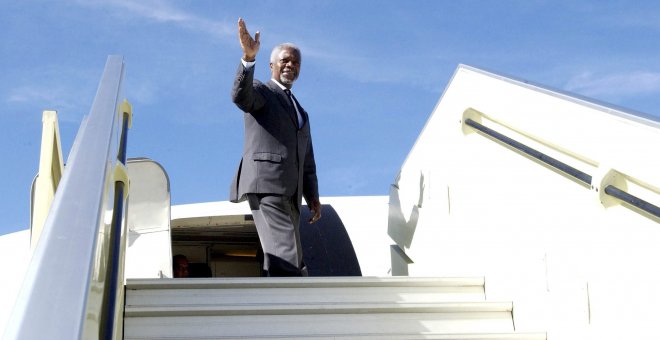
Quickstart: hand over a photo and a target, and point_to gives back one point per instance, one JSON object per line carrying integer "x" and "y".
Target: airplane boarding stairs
{"x": 569, "y": 242}
{"x": 316, "y": 307}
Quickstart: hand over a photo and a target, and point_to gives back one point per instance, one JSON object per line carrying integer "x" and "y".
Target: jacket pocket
{"x": 268, "y": 157}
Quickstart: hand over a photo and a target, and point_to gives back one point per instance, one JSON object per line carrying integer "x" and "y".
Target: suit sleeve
{"x": 244, "y": 93}
{"x": 310, "y": 182}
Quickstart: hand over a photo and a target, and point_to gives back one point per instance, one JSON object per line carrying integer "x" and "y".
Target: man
{"x": 180, "y": 266}
{"x": 278, "y": 168}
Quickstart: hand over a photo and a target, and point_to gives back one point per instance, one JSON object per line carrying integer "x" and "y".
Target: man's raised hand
{"x": 250, "y": 46}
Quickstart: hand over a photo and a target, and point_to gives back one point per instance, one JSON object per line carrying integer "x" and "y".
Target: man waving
{"x": 277, "y": 168}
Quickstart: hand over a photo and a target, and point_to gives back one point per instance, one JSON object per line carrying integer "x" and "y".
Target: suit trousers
{"x": 277, "y": 219}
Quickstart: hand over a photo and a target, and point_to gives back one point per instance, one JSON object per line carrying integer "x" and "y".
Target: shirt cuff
{"x": 247, "y": 64}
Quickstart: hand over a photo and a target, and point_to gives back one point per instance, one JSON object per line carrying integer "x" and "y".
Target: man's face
{"x": 287, "y": 67}
{"x": 181, "y": 268}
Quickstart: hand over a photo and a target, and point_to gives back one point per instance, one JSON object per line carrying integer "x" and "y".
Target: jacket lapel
{"x": 284, "y": 100}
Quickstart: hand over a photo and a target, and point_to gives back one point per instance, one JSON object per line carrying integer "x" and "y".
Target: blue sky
{"x": 371, "y": 74}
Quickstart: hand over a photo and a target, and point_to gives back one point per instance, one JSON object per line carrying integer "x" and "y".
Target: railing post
{"x": 51, "y": 168}
{"x": 111, "y": 327}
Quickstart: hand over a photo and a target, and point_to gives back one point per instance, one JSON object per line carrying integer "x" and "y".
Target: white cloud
{"x": 165, "y": 12}
{"x": 373, "y": 69}
{"x": 144, "y": 92}
{"x": 67, "y": 88}
{"x": 618, "y": 85}
{"x": 66, "y": 102}
{"x": 26, "y": 94}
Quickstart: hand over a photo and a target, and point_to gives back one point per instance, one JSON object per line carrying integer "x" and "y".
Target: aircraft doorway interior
{"x": 219, "y": 250}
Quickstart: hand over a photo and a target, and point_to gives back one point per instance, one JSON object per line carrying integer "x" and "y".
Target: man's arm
{"x": 310, "y": 184}
{"x": 243, "y": 93}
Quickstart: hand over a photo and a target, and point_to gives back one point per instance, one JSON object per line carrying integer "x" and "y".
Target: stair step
{"x": 480, "y": 336}
{"x": 316, "y": 308}
{"x": 245, "y": 291}
{"x": 309, "y": 309}
{"x": 304, "y": 282}
{"x": 302, "y": 325}
{"x": 407, "y": 336}
{"x": 302, "y": 295}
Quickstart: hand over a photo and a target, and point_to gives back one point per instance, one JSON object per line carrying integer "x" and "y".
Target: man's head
{"x": 180, "y": 266}
{"x": 285, "y": 63}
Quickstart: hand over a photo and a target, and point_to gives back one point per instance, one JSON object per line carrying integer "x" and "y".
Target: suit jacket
{"x": 278, "y": 157}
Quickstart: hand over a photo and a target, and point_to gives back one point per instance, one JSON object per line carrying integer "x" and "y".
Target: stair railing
{"x": 70, "y": 290}
{"x": 606, "y": 187}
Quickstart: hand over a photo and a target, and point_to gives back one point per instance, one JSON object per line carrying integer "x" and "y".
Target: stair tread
{"x": 316, "y": 308}
{"x": 300, "y": 325}
{"x": 409, "y": 336}
{"x": 206, "y": 296}
{"x": 309, "y": 282}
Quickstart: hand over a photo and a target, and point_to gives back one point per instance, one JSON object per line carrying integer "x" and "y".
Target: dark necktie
{"x": 296, "y": 106}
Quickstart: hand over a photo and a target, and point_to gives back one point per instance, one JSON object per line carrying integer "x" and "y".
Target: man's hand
{"x": 250, "y": 46}
{"x": 315, "y": 208}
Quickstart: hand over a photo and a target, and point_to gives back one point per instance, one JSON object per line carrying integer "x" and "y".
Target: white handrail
{"x": 63, "y": 291}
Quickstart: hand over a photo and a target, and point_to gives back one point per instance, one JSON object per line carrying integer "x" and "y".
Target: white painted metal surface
{"x": 51, "y": 167}
{"x": 315, "y": 308}
{"x": 15, "y": 248}
{"x": 248, "y": 291}
{"x": 149, "y": 252}
{"x": 464, "y": 204}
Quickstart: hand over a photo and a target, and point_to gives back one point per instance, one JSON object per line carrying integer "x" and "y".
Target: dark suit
{"x": 277, "y": 160}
